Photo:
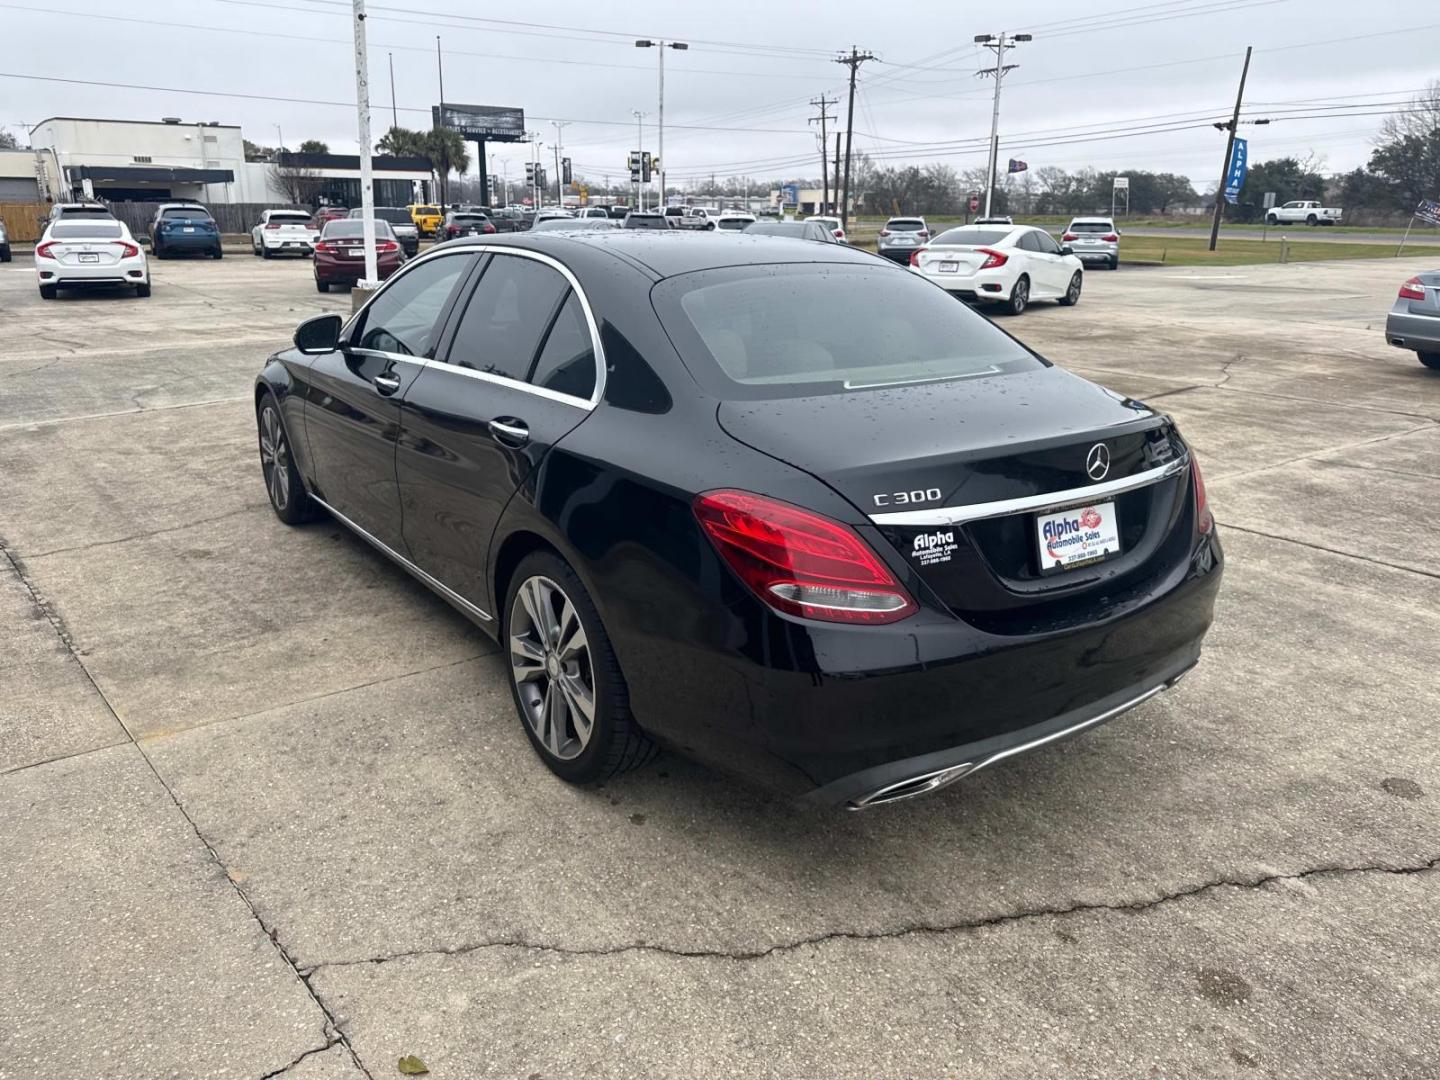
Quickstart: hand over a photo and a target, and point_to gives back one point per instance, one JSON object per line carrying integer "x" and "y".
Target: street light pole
{"x": 647, "y": 43}
{"x": 367, "y": 170}
{"x": 559, "y": 146}
{"x": 640, "y": 149}
{"x": 998, "y": 71}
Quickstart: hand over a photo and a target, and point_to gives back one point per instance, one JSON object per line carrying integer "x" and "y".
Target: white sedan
{"x": 1009, "y": 265}
{"x": 82, "y": 253}
{"x": 284, "y": 230}
{"x": 833, "y": 224}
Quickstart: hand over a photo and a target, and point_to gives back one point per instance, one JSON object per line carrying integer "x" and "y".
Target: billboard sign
{"x": 492, "y": 123}
{"x": 790, "y": 194}
{"x": 1121, "y": 183}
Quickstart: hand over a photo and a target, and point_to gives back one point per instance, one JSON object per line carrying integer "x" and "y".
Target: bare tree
{"x": 300, "y": 185}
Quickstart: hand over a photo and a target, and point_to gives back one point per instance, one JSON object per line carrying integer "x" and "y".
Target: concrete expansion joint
{"x": 964, "y": 926}
{"x": 248, "y": 508}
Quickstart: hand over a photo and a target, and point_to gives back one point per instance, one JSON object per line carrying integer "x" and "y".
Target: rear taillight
{"x": 452, "y": 230}
{"x": 488, "y": 228}
{"x": 1068, "y": 237}
{"x": 324, "y": 245}
{"x": 272, "y": 225}
{"x": 43, "y": 251}
{"x": 1412, "y": 290}
{"x": 993, "y": 258}
{"x": 128, "y": 251}
{"x": 924, "y": 234}
{"x": 384, "y": 247}
{"x": 884, "y": 232}
{"x": 1204, "y": 520}
{"x": 839, "y": 234}
{"x": 915, "y": 256}
{"x": 799, "y": 562}
{"x": 1111, "y": 238}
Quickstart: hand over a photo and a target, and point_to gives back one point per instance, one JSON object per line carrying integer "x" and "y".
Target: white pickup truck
{"x": 1303, "y": 212}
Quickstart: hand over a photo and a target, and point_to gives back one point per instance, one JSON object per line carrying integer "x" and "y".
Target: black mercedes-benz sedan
{"x": 784, "y": 507}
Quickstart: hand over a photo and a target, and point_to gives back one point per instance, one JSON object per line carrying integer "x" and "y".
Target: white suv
{"x": 1094, "y": 240}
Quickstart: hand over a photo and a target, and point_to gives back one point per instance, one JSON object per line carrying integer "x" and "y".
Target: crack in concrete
{"x": 963, "y": 926}
{"x": 330, "y": 1043}
{"x": 1225, "y": 371}
{"x": 331, "y": 1029}
{"x": 121, "y": 412}
{"x": 1331, "y": 551}
{"x": 249, "y": 508}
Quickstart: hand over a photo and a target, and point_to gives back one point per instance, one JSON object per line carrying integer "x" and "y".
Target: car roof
{"x": 665, "y": 253}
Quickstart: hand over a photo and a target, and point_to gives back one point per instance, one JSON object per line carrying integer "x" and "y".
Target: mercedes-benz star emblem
{"x": 1097, "y": 462}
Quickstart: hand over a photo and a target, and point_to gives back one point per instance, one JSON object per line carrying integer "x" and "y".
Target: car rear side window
{"x": 567, "y": 360}
{"x": 402, "y": 318}
{"x": 506, "y": 316}
{"x": 791, "y": 330}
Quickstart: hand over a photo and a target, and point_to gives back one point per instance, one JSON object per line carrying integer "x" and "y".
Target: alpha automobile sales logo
{"x": 1090, "y": 518}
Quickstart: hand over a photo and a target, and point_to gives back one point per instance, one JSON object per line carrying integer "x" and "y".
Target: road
{"x": 267, "y": 806}
{"x": 1294, "y": 232}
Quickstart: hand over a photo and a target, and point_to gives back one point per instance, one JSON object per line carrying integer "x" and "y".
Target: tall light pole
{"x": 279, "y": 135}
{"x": 1000, "y": 44}
{"x": 640, "y": 149}
{"x": 367, "y": 170}
{"x": 559, "y": 149}
{"x": 647, "y": 43}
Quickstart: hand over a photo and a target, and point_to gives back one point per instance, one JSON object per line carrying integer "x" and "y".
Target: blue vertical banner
{"x": 1235, "y": 175}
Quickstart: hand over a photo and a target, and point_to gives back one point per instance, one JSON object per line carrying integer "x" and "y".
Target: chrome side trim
{"x": 485, "y": 376}
{"x": 434, "y": 583}
{"x": 932, "y": 781}
{"x": 958, "y": 515}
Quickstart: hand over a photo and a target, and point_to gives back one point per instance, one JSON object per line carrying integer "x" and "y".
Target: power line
{"x": 853, "y": 62}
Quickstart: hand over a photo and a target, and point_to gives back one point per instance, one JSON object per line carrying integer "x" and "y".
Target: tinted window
{"x": 190, "y": 213}
{"x": 905, "y": 225}
{"x": 1045, "y": 243}
{"x": 506, "y": 315}
{"x": 354, "y": 229}
{"x": 296, "y": 216}
{"x": 1090, "y": 227}
{"x": 469, "y": 219}
{"x": 780, "y": 228}
{"x": 1029, "y": 241}
{"x": 972, "y": 235}
{"x": 427, "y": 210}
{"x": 646, "y": 221}
{"x": 732, "y": 224}
{"x": 567, "y": 362}
{"x": 96, "y": 229}
{"x": 785, "y": 330}
{"x": 402, "y": 318}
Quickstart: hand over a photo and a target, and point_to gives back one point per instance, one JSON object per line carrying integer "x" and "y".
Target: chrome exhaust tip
{"x": 912, "y": 787}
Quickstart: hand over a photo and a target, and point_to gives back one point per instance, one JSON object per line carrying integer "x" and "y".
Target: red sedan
{"x": 340, "y": 253}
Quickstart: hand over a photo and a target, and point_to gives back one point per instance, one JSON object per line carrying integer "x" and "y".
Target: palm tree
{"x": 402, "y": 142}
{"x": 447, "y": 151}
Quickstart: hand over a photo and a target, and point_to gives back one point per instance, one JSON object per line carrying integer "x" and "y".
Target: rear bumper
{"x": 1097, "y": 254}
{"x": 349, "y": 272}
{"x": 189, "y": 241}
{"x": 80, "y": 277}
{"x": 1420, "y": 333}
{"x": 987, "y": 285}
{"x": 286, "y": 243}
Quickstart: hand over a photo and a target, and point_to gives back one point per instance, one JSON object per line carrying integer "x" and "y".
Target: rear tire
{"x": 1430, "y": 360}
{"x": 321, "y": 286}
{"x": 288, "y": 498}
{"x": 1114, "y": 263}
{"x": 546, "y": 609}
{"x": 48, "y": 292}
{"x": 1019, "y": 297}
{"x": 156, "y": 249}
{"x": 1312, "y": 220}
{"x": 1072, "y": 294}
{"x": 5, "y": 255}
{"x": 218, "y": 253}
{"x": 1272, "y": 220}
{"x": 142, "y": 291}
{"x": 265, "y": 252}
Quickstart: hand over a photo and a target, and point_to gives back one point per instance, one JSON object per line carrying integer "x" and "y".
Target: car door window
{"x": 506, "y": 316}
{"x": 403, "y": 318}
{"x": 1046, "y": 242}
{"x": 567, "y": 360}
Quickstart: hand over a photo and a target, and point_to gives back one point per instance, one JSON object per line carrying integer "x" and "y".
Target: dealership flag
{"x": 1235, "y": 175}
{"x": 1017, "y": 165}
{"x": 1429, "y": 209}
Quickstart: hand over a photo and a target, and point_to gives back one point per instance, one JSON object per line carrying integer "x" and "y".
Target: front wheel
{"x": 1019, "y": 297}
{"x": 1272, "y": 220}
{"x": 564, "y": 677}
{"x": 1430, "y": 360}
{"x": 1072, "y": 293}
{"x": 1312, "y": 220}
{"x": 286, "y": 489}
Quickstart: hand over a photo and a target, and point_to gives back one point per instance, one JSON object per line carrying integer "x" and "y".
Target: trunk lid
{"x": 967, "y": 258}
{"x": 916, "y": 461}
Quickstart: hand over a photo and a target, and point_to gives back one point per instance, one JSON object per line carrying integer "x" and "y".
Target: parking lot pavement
{"x": 291, "y": 781}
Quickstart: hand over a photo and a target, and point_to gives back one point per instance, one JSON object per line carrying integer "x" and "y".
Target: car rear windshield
{"x": 393, "y": 215}
{"x": 187, "y": 213}
{"x": 427, "y": 210}
{"x": 469, "y": 219}
{"x": 972, "y": 235}
{"x": 732, "y": 223}
{"x": 1090, "y": 227}
{"x": 905, "y": 225}
{"x": 289, "y": 215}
{"x": 355, "y": 228}
{"x": 93, "y": 230}
{"x": 794, "y": 330}
{"x": 646, "y": 221}
{"x": 779, "y": 228}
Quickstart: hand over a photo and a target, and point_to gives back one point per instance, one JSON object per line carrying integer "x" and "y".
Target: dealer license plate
{"x": 89, "y": 258}
{"x": 187, "y": 228}
{"x": 949, "y": 267}
{"x": 1077, "y": 537}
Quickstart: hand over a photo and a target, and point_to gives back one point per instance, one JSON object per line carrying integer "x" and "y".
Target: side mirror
{"x": 1067, "y": 250}
{"x": 319, "y": 335}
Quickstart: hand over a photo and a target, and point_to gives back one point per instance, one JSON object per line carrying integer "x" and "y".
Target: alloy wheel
{"x": 552, "y": 668}
{"x": 1072, "y": 294}
{"x": 1019, "y": 296}
{"x": 274, "y": 457}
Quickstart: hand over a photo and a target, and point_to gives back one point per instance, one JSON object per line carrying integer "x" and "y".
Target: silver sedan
{"x": 1414, "y": 321}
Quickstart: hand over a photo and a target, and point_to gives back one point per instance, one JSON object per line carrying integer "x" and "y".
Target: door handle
{"x": 386, "y": 383}
{"x": 510, "y": 431}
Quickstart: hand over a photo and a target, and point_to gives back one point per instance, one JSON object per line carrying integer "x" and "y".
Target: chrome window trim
{"x": 502, "y": 380}
{"x": 434, "y": 583}
{"x": 1055, "y": 500}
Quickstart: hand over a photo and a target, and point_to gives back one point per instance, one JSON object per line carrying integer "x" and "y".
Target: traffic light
{"x": 565, "y": 174}
{"x": 530, "y": 173}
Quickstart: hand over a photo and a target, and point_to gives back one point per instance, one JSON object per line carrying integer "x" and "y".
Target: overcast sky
{"x": 744, "y": 85}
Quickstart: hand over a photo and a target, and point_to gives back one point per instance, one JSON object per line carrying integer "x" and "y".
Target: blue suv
{"x": 179, "y": 227}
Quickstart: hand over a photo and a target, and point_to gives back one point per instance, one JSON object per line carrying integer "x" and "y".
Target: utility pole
{"x": 1229, "y": 149}
{"x": 836, "y": 172}
{"x": 640, "y": 149}
{"x": 367, "y": 170}
{"x": 394, "y": 112}
{"x": 559, "y": 144}
{"x": 1000, "y": 44}
{"x": 853, "y": 62}
{"x": 822, "y": 105}
{"x": 440, "y": 67}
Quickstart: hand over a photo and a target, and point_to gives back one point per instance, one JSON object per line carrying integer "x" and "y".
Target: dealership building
{"x": 170, "y": 158}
